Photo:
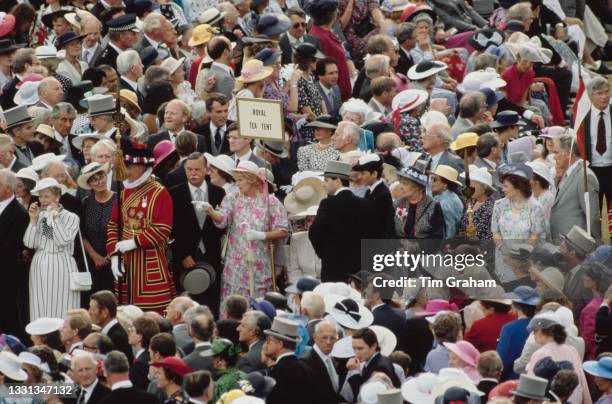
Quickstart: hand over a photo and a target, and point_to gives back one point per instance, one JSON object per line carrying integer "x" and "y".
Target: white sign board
{"x": 261, "y": 119}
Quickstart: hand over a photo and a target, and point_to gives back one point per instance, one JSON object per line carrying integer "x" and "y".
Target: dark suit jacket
{"x": 163, "y": 135}
{"x": 107, "y": 56}
{"x": 322, "y": 381}
{"x": 198, "y": 362}
{"x": 416, "y": 340}
{"x": 588, "y": 136}
{"x": 129, "y": 395}
{"x": 17, "y": 165}
{"x": 362, "y": 87}
{"x": 139, "y": 371}
{"x": 486, "y": 386}
{"x": 125, "y": 85}
{"x": 447, "y": 158}
{"x": 383, "y": 203}
{"x": 176, "y": 176}
{"x": 120, "y": 338}
{"x": 287, "y": 50}
{"x": 8, "y": 93}
{"x": 341, "y": 223}
{"x": 389, "y": 317}
{"x": 377, "y": 364}
{"x": 204, "y": 132}
{"x": 251, "y": 361}
{"x": 457, "y": 14}
{"x": 13, "y": 223}
{"x": 294, "y": 381}
{"x": 98, "y": 394}
{"x": 77, "y": 155}
{"x": 333, "y": 105}
{"x": 404, "y": 63}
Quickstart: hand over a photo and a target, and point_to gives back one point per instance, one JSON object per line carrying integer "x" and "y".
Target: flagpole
{"x": 582, "y": 152}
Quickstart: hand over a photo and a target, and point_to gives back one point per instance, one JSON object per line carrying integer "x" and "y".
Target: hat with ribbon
{"x": 505, "y": 119}
{"x": 485, "y": 37}
{"x": 410, "y": 13}
{"x": 492, "y": 97}
{"x": 448, "y": 173}
{"x": 174, "y": 364}
{"x": 480, "y": 175}
{"x": 425, "y": 69}
{"x": 28, "y": 177}
{"x": 552, "y": 132}
{"x": 551, "y": 277}
{"x": 257, "y": 384}
{"x": 89, "y": 171}
{"x": 284, "y": 329}
{"x": 268, "y": 56}
{"x": 211, "y": 17}
{"x": 405, "y": 101}
{"x": 337, "y": 169}
{"x": 414, "y": 175}
{"x": 324, "y": 122}
{"x": 253, "y": 71}
{"x": 203, "y": 33}
{"x": 172, "y": 65}
{"x": 307, "y": 49}
{"x": 101, "y": 104}
{"x": 78, "y": 140}
{"x": 274, "y": 147}
{"x": 163, "y": 150}
{"x": 28, "y": 358}
{"x": 486, "y": 78}
{"x": 44, "y": 325}
{"x": 516, "y": 169}
{"x": 47, "y": 183}
{"x": 7, "y": 46}
{"x": 350, "y": 314}
{"x": 123, "y": 23}
{"x": 67, "y": 38}
{"x": 48, "y": 18}
{"x": 435, "y": 305}
{"x": 542, "y": 171}
{"x": 75, "y": 17}
{"x": 137, "y": 153}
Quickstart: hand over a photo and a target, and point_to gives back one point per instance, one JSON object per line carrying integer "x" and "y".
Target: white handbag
{"x": 81, "y": 281}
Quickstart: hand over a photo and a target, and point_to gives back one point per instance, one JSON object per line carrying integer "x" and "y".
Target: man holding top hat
{"x": 139, "y": 251}
{"x": 342, "y": 221}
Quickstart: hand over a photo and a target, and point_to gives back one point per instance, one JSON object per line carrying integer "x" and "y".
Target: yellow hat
{"x": 130, "y": 97}
{"x": 202, "y": 34}
{"x": 230, "y": 396}
{"x": 464, "y": 140}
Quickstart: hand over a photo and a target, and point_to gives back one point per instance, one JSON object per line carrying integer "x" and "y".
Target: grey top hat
{"x": 580, "y": 240}
{"x": 285, "y": 329}
{"x": 101, "y": 105}
{"x": 274, "y": 147}
{"x": 17, "y": 116}
{"x": 531, "y": 387}
{"x": 337, "y": 169}
{"x": 391, "y": 396}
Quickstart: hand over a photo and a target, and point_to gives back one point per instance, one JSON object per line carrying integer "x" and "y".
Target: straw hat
{"x": 172, "y": 65}
{"x": 89, "y": 171}
{"x": 28, "y": 174}
{"x": 204, "y": 32}
{"x": 49, "y": 132}
{"x": 129, "y": 97}
{"x": 306, "y": 193}
{"x": 247, "y": 167}
{"x": 80, "y": 139}
{"x": 480, "y": 175}
{"x": 253, "y": 71}
{"x": 464, "y": 140}
{"x": 425, "y": 69}
{"x": 209, "y": 17}
{"x": 10, "y": 366}
{"x": 448, "y": 173}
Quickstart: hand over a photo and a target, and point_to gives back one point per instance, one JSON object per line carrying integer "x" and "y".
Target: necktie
{"x": 368, "y": 193}
{"x": 218, "y": 138}
{"x": 81, "y": 397}
{"x": 199, "y": 196}
{"x": 332, "y": 372}
{"x": 601, "y": 135}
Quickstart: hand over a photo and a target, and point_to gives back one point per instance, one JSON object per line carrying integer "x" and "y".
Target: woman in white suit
{"x": 71, "y": 66}
{"x": 51, "y": 234}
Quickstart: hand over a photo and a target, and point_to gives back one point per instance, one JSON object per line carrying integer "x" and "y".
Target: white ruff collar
{"x": 131, "y": 185}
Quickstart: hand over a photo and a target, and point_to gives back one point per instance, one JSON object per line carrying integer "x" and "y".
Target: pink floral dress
{"x": 243, "y": 257}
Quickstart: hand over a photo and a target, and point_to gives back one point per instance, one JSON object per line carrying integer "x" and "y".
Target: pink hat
{"x": 162, "y": 150}
{"x": 29, "y": 77}
{"x": 552, "y": 132}
{"x": 7, "y": 23}
{"x": 465, "y": 351}
{"x": 436, "y": 305}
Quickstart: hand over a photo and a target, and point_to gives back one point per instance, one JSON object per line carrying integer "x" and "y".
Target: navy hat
{"x": 268, "y": 56}
{"x": 123, "y": 23}
{"x": 265, "y": 307}
{"x": 518, "y": 169}
{"x": 66, "y": 38}
{"x": 308, "y": 50}
{"x": 414, "y": 175}
{"x": 8, "y": 46}
{"x": 547, "y": 368}
{"x": 598, "y": 272}
{"x": 272, "y": 24}
{"x": 14, "y": 344}
{"x": 546, "y": 253}
{"x": 260, "y": 38}
{"x": 262, "y": 385}
{"x": 139, "y": 7}
{"x": 148, "y": 56}
{"x": 304, "y": 284}
{"x": 505, "y": 119}
{"x": 524, "y": 295}
{"x": 493, "y": 97}
{"x": 485, "y": 37}
{"x": 47, "y": 19}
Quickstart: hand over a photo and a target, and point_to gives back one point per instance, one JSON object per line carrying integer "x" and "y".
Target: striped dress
{"x": 53, "y": 240}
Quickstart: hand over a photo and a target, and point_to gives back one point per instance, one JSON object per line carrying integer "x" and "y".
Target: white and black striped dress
{"x": 53, "y": 240}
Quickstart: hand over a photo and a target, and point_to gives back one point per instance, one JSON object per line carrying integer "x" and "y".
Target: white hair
{"x": 349, "y": 129}
{"x": 152, "y": 22}
{"x": 8, "y": 178}
{"x": 127, "y": 59}
{"x": 313, "y": 303}
{"x": 104, "y": 143}
{"x": 83, "y": 355}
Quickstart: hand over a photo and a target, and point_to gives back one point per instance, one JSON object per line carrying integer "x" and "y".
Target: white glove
{"x": 255, "y": 235}
{"x": 125, "y": 245}
{"x": 117, "y": 272}
{"x": 201, "y": 206}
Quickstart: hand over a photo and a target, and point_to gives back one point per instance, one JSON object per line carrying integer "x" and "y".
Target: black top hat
{"x": 47, "y": 19}
{"x": 7, "y": 46}
{"x": 67, "y": 38}
{"x": 505, "y": 119}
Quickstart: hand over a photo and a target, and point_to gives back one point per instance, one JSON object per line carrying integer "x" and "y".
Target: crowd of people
{"x": 155, "y": 252}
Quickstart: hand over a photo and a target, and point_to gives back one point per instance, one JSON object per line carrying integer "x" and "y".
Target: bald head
{"x": 325, "y": 336}
{"x": 50, "y": 91}
{"x": 177, "y": 307}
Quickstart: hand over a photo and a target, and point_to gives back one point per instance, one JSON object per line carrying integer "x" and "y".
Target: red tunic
{"x": 484, "y": 333}
{"x": 147, "y": 218}
{"x": 332, "y": 47}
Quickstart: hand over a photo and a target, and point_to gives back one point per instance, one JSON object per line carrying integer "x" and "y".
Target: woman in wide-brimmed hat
{"x": 482, "y": 183}
{"x": 51, "y": 234}
{"x": 253, "y": 218}
{"x": 26, "y": 181}
{"x": 543, "y": 188}
{"x": 220, "y": 170}
{"x": 314, "y": 156}
{"x": 464, "y": 356}
{"x": 445, "y": 188}
{"x": 71, "y": 66}
{"x": 250, "y": 84}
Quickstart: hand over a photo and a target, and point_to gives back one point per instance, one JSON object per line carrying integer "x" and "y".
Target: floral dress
{"x": 410, "y": 132}
{"x": 362, "y": 10}
{"x": 311, "y": 159}
{"x": 482, "y": 220}
{"x": 309, "y": 96}
{"x": 240, "y": 213}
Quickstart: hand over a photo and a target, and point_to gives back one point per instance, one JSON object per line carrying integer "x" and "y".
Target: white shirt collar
{"x": 108, "y": 133}
{"x": 293, "y": 40}
{"x": 193, "y": 188}
{"x": 76, "y": 345}
{"x": 139, "y": 181}
{"x": 606, "y": 111}
{"x": 153, "y": 43}
{"x": 132, "y": 83}
{"x": 571, "y": 168}
{"x": 174, "y": 134}
{"x": 245, "y": 157}
{"x": 89, "y": 389}
{"x": 115, "y": 47}
{"x": 380, "y": 106}
{"x": 193, "y": 400}
{"x": 140, "y": 352}
{"x": 12, "y": 162}
{"x": 199, "y": 344}
{"x": 224, "y": 67}
{"x": 124, "y": 384}
{"x": 284, "y": 355}
{"x": 108, "y": 326}
{"x": 373, "y": 186}
{"x": 435, "y": 160}
{"x": 6, "y": 203}
{"x": 493, "y": 164}
{"x": 376, "y": 306}
{"x": 46, "y": 105}
{"x": 320, "y": 353}
{"x": 341, "y": 189}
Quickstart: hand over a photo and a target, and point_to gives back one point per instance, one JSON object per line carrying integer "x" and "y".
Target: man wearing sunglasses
{"x": 296, "y": 35}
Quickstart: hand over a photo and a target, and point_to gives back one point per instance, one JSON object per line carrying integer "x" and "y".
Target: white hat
{"x": 337, "y": 288}
{"x": 89, "y": 171}
{"x": 487, "y": 78}
{"x": 408, "y": 100}
{"x": 171, "y": 64}
{"x": 44, "y": 325}
{"x": 387, "y": 341}
{"x": 530, "y": 49}
{"x": 351, "y": 314}
{"x": 343, "y": 348}
{"x": 311, "y": 211}
{"x": 453, "y": 377}
{"x": 10, "y": 366}
{"x": 27, "y": 173}
{"x": 46, "y": 52}
{"x": 368, "y": 393}
{"x": 27, "y": 93}
{"x": 47, "y": 183}
{"x": 78, "y": 140}
{"x": 419, "y": 388}
{"x": 430, "y": 118}
{"x": 306, "y": 193}
{"x": 425, "y": 69}
{"x": 30, "y": 359}
{"x": 248, "y": 400}
{"x": 480, "y": 175}
{"x": 246, "y": 167}
{"x": 222, "y": 162}
{"x": 542, "y": 170}
{"x": 39, "y": 162}
{"x": 48, "y": 131}
{"x": 355, "y": 105}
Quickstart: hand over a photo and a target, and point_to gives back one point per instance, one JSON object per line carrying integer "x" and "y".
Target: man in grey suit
{"x": 296, "y": 35}
{"x": 241, "y": 147}
{"x": 488, "y": 151}
{"x": 436, "y": 143}
{"x": 471, "y": 109}
{"x": 569, "y": 207}
{"x": 201, "y": 330}
{"x": 327, "y": 75}
{"x": 177, "y": 307}
{"x": 251, "y": 333}
{"x": 220, "y": 50}
{"x": 383, "y": 90}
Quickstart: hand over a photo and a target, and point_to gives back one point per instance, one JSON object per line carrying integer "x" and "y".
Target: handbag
{"x": 81, "y": 281}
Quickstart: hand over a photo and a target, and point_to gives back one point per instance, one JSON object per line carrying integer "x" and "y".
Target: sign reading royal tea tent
{"x": 259, "y": 118}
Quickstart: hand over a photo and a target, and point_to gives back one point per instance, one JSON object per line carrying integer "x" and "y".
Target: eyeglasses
{"x": 299, "y": 24}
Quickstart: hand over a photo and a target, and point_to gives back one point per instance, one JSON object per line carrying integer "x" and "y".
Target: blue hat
{"x": 123, "y": 23}
{"x": 268, "y": 56}
{"x": 148, "y": 56}
{"x": 272, "y": 24}
{"x": 547, "y": 368}
{"x": 414, "y": 175}
{"x": 14, "y": 344}
{"x": 601, "y": 368}
{"x": 265, "y": 307}
{"x": 602, "y": 254}
{"x": 519, "y": 169}
{"x": 66, "y": 38}
{"x": 493, "y": 97}
{"x": 524, "y": 295}
{"x": 505, "y": 119}
{"x": 304, "y": 284}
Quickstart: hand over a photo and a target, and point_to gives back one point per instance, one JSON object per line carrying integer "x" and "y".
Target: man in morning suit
{"x": 13, "y": 223}
{"x": 116, "y": 367}
{"x": 84, "y": 370}
{"x": 377, "y": 300}
{"x": 327, "y": 379}
{"x": 103, "y": 312}
{"x": 196, "y": 238}
{"x": 130, "y": 69}
{"x": 23, "y": 59}
{"x": 201, "y": 329}
{"x": 63, "y": 115}
{"x": 175, "y": 117}
{"x": 327, "y": 83}
{"x": 294, "y": 380}
{"x": 370, "y": 166}
{"x": 215, "y": 131}
{"x": 296, "y": 35}
{"x": 251, "y": 333}
{"x": 21, "y": 129}
{"x": 143, "y": 329}
{"x": 122, "y": 34}
{"x": 405, "y": 35}
{"x": 598, "y": 135}
{"x": 342, "y": 221}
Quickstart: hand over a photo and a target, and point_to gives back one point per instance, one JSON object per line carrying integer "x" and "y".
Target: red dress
{"x": 517, "y": 83}
{"x": 484, "y": 333}
{"x": 332, "y": 47}
{"x": 147, "y": 218}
